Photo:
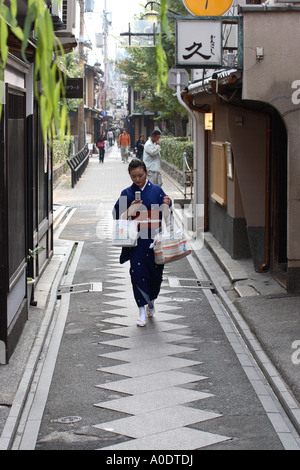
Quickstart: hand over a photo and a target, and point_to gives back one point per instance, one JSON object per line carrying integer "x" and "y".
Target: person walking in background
{"x": 117, "y": 133}
{"x": 152, "y": 158}
{"x": 124, "y": 145}
{"x": 110, "y": 136}
{"x": 101, "y": 147}
{"x": 139, "y": 147}
{"x": 146, "y": 275}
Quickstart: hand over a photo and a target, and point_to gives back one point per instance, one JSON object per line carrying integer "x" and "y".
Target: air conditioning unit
{"x": 66, "y": 11}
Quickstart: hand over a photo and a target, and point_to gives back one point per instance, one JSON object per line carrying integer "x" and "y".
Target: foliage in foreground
{"x": 54, "y": 117}
{"x": 145, "y": 70}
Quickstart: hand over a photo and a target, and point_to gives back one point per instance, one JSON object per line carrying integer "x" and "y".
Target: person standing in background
{"x": 139, "y": 147}
{"x": 110, "y": 137}
{"x": 124, "y": 145}
{"x": 152, "y": 158}
{"x": 101, "y": 147}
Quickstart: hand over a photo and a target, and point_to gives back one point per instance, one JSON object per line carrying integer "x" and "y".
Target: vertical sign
{"x": 198, "y": 43}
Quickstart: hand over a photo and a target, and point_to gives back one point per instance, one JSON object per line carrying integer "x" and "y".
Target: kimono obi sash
{"x": 148, "y": 219}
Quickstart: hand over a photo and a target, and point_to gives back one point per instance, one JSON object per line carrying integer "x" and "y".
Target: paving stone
{"x": 175, "y": 439}
{"x": 136, "y": 369}
{"x": 144, "y": 340}
{"x": 146, "y": 424}
{"x": 149, "y": 383}
{"x": 152, "y": 326}
{"x": 158, "y": 399}
{"x": 149, "y": 352}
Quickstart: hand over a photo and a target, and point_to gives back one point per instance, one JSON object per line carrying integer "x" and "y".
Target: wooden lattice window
{"x": 219, "y": 173}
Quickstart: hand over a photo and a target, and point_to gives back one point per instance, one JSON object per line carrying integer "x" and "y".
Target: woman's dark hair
{"x": 135, "y": 163}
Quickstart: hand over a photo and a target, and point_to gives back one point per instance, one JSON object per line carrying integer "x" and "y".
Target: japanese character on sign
{"x": 199, "y": 43}
{"x": 195, "y": 48}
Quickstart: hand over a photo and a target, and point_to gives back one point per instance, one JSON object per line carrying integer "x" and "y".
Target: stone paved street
{"x": 184, "y": 382}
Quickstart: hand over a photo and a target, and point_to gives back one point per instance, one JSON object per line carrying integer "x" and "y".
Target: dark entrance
{"x": 13, "y": 190}
{"x": 279, "y": 199}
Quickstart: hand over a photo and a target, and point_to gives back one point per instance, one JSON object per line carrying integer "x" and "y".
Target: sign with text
{"x": 74, "y": 88}
{"x": 198, "y": 43}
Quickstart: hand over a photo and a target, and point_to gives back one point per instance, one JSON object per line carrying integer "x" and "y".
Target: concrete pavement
{"x": 248, "y": 309}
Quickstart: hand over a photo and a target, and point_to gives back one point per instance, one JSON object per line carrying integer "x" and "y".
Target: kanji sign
{"x": 198, "y": 43}
{"x": 207, "y": 7}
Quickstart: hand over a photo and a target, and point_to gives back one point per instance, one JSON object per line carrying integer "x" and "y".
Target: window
{"x": 219, "y": 173}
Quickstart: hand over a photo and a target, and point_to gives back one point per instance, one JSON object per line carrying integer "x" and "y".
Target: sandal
{"x": 140, "y": 322}
{"x": 149, "y": 311}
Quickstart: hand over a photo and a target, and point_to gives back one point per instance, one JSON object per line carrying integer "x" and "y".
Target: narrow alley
{"x": 186, "y": 381}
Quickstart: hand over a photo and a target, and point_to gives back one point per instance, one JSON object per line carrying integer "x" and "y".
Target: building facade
{"x": 26, "y": 170}
{"x": 248, "y": 165}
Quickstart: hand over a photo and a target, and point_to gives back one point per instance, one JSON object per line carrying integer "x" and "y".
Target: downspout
{"x": 194, "y": 119}
{"x": 265, "y": 265}
{"x": 266, "y": 262}
{"x": 179, "y": 97}
{"x": 187, "y": 98}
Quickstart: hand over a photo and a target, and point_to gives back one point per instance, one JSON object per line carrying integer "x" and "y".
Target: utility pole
{"x": 105, "y": 53}
{"x": 81, "y": 133}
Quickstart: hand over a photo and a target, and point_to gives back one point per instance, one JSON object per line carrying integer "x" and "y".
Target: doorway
{"x": 279, "y": 200}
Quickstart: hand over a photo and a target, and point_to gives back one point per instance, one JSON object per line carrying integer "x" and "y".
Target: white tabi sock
{"x": 142, "y": 313}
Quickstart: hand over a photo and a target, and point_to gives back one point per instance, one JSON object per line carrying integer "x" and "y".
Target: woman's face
{"x": 138, "y": 176}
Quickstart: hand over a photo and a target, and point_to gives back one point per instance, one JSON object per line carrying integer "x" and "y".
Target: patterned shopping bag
{"x": 170, "y": 246}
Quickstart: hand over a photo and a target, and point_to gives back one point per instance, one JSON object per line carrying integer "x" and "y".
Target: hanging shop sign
{"x": 74, "y": 88}
{"x": 198, "y": 43}
{"x": 207, "y": 7}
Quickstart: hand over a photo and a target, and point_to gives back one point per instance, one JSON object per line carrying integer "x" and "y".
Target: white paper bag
{"x": 125, "y": 233}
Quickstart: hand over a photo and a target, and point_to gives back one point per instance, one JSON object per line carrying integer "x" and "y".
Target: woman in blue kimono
{"x": 146, "y": 275}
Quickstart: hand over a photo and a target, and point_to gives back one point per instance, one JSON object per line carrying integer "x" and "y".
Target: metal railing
{"x": 78, "y": 164}
{"x": 187, "y": 177}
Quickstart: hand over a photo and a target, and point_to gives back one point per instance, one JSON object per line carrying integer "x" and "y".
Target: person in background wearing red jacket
{"x": 101, "y": 147}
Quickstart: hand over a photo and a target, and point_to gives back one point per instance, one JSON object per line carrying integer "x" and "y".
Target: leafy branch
{"x": 35, "y": 252}
{"x": 161, "y": 57}
{"x": 54, "y": 118}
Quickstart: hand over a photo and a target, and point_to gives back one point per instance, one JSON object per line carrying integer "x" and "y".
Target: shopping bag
{"x": 125, "y": 233}
{"x": 170, "y": 245}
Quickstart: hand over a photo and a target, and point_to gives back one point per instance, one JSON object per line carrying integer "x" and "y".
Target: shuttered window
{"x": 219, "y": 173}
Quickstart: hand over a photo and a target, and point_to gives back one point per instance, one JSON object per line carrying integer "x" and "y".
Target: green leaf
{"x": 29, "y": 20}
{"x": 46, "y": 72}
{"x": 162, "y": 66}
{"x": 3, "y": 41}
{"x": 13, "y": 8}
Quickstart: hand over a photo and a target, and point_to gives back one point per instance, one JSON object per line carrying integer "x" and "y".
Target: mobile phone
{"x": 138, "y": 195}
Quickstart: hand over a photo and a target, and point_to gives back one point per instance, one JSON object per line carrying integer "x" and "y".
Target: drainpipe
{"x": 266, "y": 262}
{"x": 194, "y": 117}
{"x": 187, "y": 98}
{"x": 265, "y": 265}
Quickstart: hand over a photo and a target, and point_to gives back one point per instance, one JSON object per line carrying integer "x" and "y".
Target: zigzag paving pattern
{"x": 151, "y": 375}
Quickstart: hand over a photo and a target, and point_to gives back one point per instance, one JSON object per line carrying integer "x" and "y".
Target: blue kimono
{"x": 146, "y": 275}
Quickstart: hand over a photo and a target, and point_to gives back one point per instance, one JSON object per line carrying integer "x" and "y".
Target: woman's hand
{"x": 166, "y": 206}
{"x": 167, "y": 200}
{"x": 132, "y": 209}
